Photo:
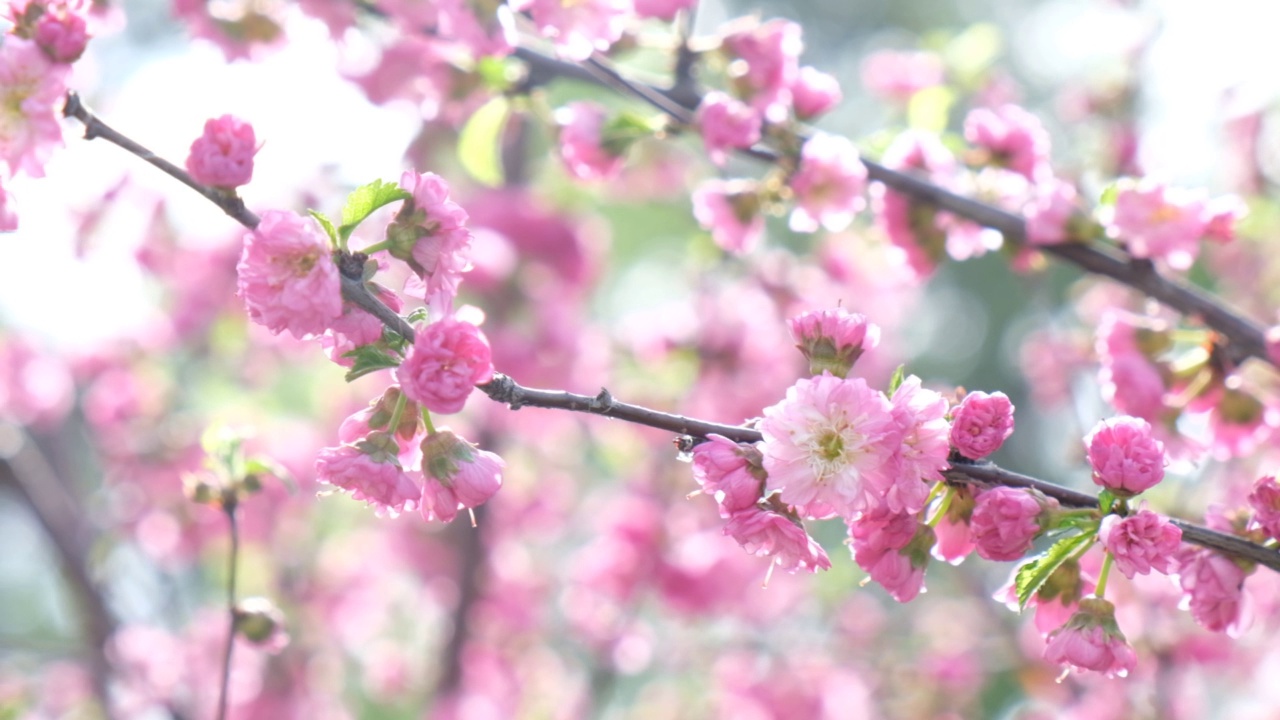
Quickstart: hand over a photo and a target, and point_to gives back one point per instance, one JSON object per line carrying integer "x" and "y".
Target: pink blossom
{"x": 1213, "y": 589}
{"x": 458, "y": 475}
{"x": 1091, "y": 640}
{"x": 578, "y": 28}
{"x": 355, "y": 327}
{"x": 765, "y": 533}
{"x": 981, "y": 424}
{"x": 955, "y": 541}
{"x": 223, "y": 155}
{"x": 893, "y": 548}
{"x": 582, "y": 145}
{"x": 1239, "y": 423}
{"x": 1273, "y": 344}
{"x": 769, "y": 55}
{"x": 726, "y": 124}
{"x": 897, "y": 75}
{"x": 8, "y": 215}
{"x": 828, "y": 445}
{"x": 1132, "y": 385}
{"x": 1220, "y": 217}
{"x": 1141, "y": 542}
{"x": 1126, "y": 458}
{"x": 448, "y": 359}
{"x": 1265, "y": 501}
{"x": 828, "y": 185}
{"x": 833, "y": 340}
{"x": 661, "y": 9}
{"x": 814, "y": 93}
{"x": 370, "y": 472}
{"x": 31, "y": 88}
{"x": 921, "y": 419}
{"x": 1005, "y": 520}
{"x": 429, "y": 233}
{"x": 1014, "y": 138}
{"x": 732, "y": 473}
{"x": 36, "y": 387}
{"x": 287, "y": 279}
{"x": 1158, "y": 222}
{"x": 1050, "y": 213}
{"x": 61, "y": 32}
{"x": 377, "y": 417}
{"x": 731, "y": 211}
{"x": 916, "y": 229}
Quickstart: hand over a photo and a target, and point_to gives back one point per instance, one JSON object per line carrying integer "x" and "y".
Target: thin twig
{"x": 505, "y": 390}
{"x": 229, "y": 509}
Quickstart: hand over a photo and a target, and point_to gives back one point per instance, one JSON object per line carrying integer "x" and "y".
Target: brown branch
{"x": 505, "y": 390}
{"x": 233, "y": 553}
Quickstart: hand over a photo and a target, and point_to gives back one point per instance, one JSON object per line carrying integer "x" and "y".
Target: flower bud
{"x": 260, "y": 622}
{"x": 833, "y": 340}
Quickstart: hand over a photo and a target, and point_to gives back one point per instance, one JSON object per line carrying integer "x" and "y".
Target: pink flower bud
{"x": 894, "y": 551}
{"x": 1265, "y": 501}
{"x": 814, "y": 93}
{"x": 733, "y": 474}
{"x": 731, "y": 211}
{"x": 458, "y": 475}
{"x": 765, "y": 533}
{"x": 1091, "y": 640}
{"x": 1126, "y": 459}
{"x": 1159, "y": 222}
{"x": 447, "y": 360}
{"x": 370, "y": 472}
{"x": 1012, "y": 138}
{"x": 828, "y": 185}
{"x": 223, "y": 155}
{"x": 833, "y": 340}
{"x": 1213, "y": 589}
{"x": 62, "y": 35}
{"x": 981, "y": 424}
{"x": 1005, "y": 520}
{"x": 582, "y": 143}
{"x": 726, "y": 124}
{"x": 1141, "y": 542}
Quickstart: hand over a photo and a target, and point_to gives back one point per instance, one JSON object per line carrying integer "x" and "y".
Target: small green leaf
{"x": 495, "y": 72}
{"x": 930, "y": 109}
{"x": 480, "y": 142}
{"x": 364, "y": 200}
{"x": 367, "y": 359}
{"x": 327, "y": 224}
{"x": 1033, "y": 574}
{"x": 896, "y": 381}
{"x": 266, "y": 466}
{"x": 418, "y": 315}
{"x": 1109, "y": 194}
{"x": 1106, "y": 500}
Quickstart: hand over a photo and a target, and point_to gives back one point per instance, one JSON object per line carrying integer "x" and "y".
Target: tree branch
{"x": 505, "y": 390}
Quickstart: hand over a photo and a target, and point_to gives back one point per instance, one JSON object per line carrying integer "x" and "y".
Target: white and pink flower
{"x": 287, "y": 278}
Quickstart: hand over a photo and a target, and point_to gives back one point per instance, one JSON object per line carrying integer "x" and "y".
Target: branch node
{"x": 602, "y": 402}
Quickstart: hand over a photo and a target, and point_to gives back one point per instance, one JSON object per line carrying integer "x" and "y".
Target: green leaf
{"x": 327, "y": 224}
{"x": 364, "y": 200}
{"x": 896, "y": 381}
{"x": 495, "y": 72}
{"x": 480, "y": 142}
{"x": 1032, "y": 575}
{"x": 1109, "y": 194}
{"x": 930, "y": 109}
{"x": 266, "y": 466}
{"x": 1106, "y": 500}
{"x": 367, "y": 359}
{"x": 418, "y": 315}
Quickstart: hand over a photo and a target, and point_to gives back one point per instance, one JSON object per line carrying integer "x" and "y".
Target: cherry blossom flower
{"x": 661, "y": 9}
{"x": 1220, "y": 217}
{"x": 369, "y": 471}
{"x": 1014, "y": 139}
{"x": 223, "y": 155}
{"x": 1005, "y": 520}
{"x": 730, "y": 472}
{"x": 896, "y": 75}
{"x": 287, "y": 279}
{"x": 1213, "y": 589}
{"x": 31, "y": 87}
{"x": 769, "y": 55}
{"x": 814, "y": 93}
{"x": 582, "y": 145}
{"x": 921, "y": 418}
{"x": 1050, "y": 213}
{"x": 1126, "y": 458}
{"x": 1158, "y": 222}
{"x": 765, "y": 533}
{"x": 954, "y": 541}
{"x": 981, "y": 424}
{"x": 1141, "y": 542}
{"x": 429, "y": 233}
{"x": 730, "y": 210}
{"x": 833, "y": 340}
{"x": 458, "y": 475}
{"x": 1091, "y": 640}
{"x": 1265, "y": 501}
{"x": 915, "y": 229}
{"x": 579, "y": 28}
{"x": 448, "y": 359}
{"x": 726, "y": 124}
{"x": 828, "y": 185}
{"x": 828, "y": 444}
{"x": 355, "y": 327}
{"x": 893, "y": 548}
{"x": 61, "y": 32}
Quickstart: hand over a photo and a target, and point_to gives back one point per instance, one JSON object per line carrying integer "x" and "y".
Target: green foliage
{"x": 896, "y": 381}
{"x": 364, "y": 201}
{"x": 327, "y": 224}
{"x": 1032, "y": 575}
{"x": 480, "y": 142}
{"x": 369, "y": 358}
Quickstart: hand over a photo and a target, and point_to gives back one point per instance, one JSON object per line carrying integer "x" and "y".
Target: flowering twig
{"x": 1244, "y": 338}
{"x": 505, "y": 390}
{"x": 229, "y": 509}
{"x": 25, "y": 469}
